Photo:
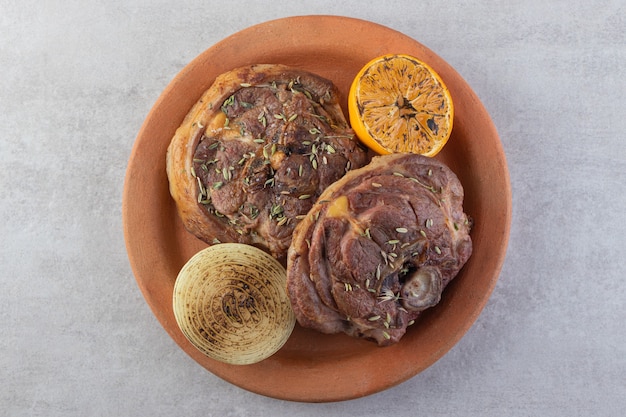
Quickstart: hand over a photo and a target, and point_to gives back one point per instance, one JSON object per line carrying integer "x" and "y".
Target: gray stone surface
{"x": 78, "y": 78}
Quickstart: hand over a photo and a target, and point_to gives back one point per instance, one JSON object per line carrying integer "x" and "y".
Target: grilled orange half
{"x": 398, "y": 103}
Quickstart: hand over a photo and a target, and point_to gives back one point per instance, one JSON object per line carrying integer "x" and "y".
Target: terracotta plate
{"x": 312, "y": 366}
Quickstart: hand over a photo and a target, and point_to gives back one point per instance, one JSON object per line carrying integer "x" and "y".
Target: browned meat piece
{"x": 378, "y": 248}
{"x": 255, "y": 152}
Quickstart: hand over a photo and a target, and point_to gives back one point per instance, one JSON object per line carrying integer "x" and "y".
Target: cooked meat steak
{"x": 255, "y": 152}
{"x": 378, "y": 248}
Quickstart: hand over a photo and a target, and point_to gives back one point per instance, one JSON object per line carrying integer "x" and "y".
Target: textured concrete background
{"x": 77, "y": 79}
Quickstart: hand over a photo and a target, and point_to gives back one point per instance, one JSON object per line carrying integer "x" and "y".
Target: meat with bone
{"x": 378, "y": 248}
{"x": 255, "y": 152}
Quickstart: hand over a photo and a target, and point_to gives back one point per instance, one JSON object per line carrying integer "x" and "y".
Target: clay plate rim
{"x": 313, "y": 367}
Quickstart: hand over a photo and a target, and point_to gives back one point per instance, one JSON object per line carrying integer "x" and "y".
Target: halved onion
{"x": 230, "y": 302}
